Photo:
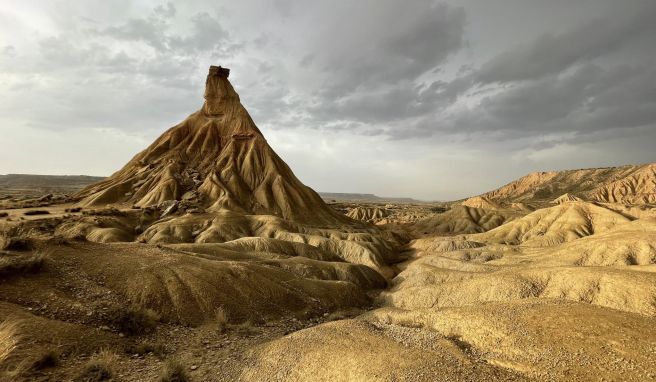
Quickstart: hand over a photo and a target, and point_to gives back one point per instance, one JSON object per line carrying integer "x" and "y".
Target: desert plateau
{"x": 207, "y": 258}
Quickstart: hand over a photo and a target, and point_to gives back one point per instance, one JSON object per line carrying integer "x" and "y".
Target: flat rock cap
{"x": 219, "y": 71}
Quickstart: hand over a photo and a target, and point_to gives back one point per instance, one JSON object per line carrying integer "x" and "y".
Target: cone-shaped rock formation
{"x": 218, "y": 157}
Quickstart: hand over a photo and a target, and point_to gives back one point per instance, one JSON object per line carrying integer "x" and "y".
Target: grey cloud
{"x": 399, "y": 45}
{"x": 307, "y": 60}
{"x": 165, "y": 10}
{"x": 89, "y": 77}
{"x": 207, "y": 33}
{"x": 377, "y": 79}
{"x": 584, "y": 101}
{"x": 553, "y": 53}
{"x": 9, "y": 50}
{"x": 150, "y": 32}
{"x": 565, "y": 82}
{"x": 401, "y": 74}
{"x": 384, "y": 106}
{"x": 528, "y": 106}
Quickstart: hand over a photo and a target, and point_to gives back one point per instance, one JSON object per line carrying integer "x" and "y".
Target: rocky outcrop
{"x": 564, "y": 198}
{"x": 368, "y": 214}
{"x": 480, "y": 202}
{"x": 220, "y": 160}
{"x": 626, "y": 184}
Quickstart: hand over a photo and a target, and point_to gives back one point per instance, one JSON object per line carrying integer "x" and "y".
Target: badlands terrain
{"x": 204, "y": 258}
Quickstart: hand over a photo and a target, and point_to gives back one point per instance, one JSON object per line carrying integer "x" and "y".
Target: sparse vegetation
{"x": 343, "y": 314}
{"x": 101, "y": 367}
{"x": 48, "y": 359}
{"x": 156, "y": 348}
{"x": 21, "y": 264}
{"x": 246, "y": 328}
{"x": 8, "y": 338}
{"x": 221, "y": 319}
{"x": 18, "y": 244}
{"x": 58, "y": 240}
{"x": 136, "y": 321}
{"x": 460, "y": 343}
{"x": 109, "y": 211}
{"x": 174, "y": 371}
{"x": 36, "y": 212}
{"x": 223, "y": 324}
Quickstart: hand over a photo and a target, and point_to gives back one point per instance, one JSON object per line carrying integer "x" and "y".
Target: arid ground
{"x": 204, "y": 258}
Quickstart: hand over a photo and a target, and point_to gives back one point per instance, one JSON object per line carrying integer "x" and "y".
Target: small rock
{"x": 170, "y": 207}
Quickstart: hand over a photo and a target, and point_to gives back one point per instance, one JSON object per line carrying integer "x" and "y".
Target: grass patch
{"x": 21, "y": 264}
{"x": 101, "y": 367}
{"x": 221, "y": 317}
{"x": 223, "y": 323}
{"x": 156, "y": 348}
{"x": 460, "y": 343}
{"x": 58, "y": 240}
{"x": 174, "y": 371}
{"x": 109, "y": 211}
{"x": 18, "y": 244}
{"x": 343, "y": 314}
{"x": 246, "y": 328}
{"x": 48, "y": 359}
{"x": 136, "y": 321}
{"x": 36, "y": 212}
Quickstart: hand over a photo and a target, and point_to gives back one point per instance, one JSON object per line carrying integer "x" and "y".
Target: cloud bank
{"x": 436, "y": 100}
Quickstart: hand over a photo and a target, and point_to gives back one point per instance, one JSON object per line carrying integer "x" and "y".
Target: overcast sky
{"x": 433, "y": 100}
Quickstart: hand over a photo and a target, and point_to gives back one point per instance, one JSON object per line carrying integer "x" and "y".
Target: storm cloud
{"x": 376, "y": 96}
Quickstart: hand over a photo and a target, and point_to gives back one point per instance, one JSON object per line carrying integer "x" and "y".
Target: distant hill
{"x": 72, "y": 183}
{"x": 338, "y": 196}
{"x": 633, "y": 184}
{"x": 47, "y": 182}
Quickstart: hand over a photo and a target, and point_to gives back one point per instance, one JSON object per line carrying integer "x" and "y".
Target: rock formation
{"x": 368, "y": 214}
{"x": 480, "y": 202}
{"x": 218, "y": 158}
{"x": 564, "y": 198}
{"x": 626, "y": 184}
